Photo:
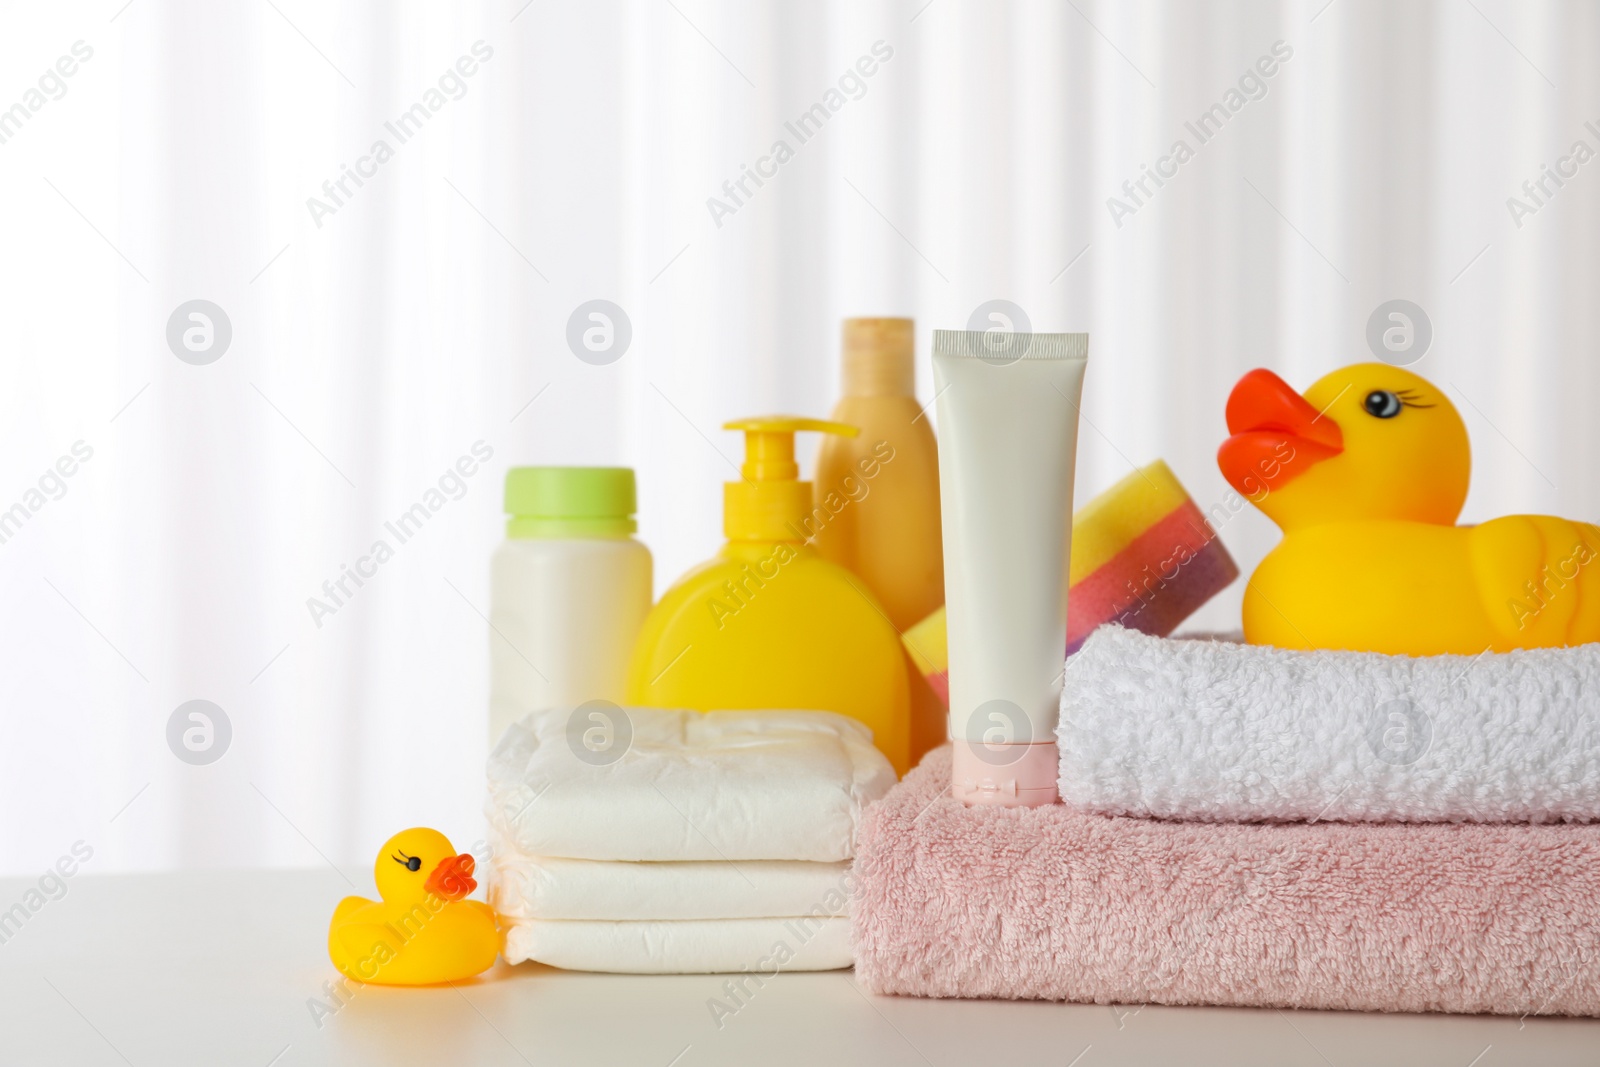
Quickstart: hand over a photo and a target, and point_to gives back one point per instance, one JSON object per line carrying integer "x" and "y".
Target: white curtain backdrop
{"x": 377, "y": 339}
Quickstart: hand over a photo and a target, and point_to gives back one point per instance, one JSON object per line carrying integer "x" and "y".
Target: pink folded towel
{"x": 1051, "y": 904}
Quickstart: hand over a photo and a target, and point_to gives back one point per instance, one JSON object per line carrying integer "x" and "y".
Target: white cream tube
{"x": 1008, "y": 436}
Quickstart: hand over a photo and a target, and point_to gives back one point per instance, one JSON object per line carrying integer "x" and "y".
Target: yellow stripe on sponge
{"x": 928, "y": 644}
{"x": 1109, "y": 523}
{"x": 1102, "y": 530}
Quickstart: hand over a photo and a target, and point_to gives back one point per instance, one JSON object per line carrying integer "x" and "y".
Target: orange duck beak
{"x": 1276, "y": 435}
{"x": 452, "y": 879}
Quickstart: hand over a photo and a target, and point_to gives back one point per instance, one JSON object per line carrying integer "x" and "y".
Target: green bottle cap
{"x": 570, "y": 502}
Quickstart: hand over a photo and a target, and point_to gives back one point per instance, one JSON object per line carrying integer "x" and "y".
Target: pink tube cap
{"x": 1006, "y": 776}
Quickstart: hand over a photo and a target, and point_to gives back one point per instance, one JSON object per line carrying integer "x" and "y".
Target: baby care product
{"x": 876, "y": 508}
{"x": 1058, "y": 904}
{"x": 768, "y": 622}
{"x": 1143, "y": 556}
{"x": 1008, "y": 410}
{"x": 419, "y": 874}
{"x": 570, "y": 588}
{"x": 1214, "y": 731}
{"x": 877, "y": 494}
{"x": 1366, "y": 473}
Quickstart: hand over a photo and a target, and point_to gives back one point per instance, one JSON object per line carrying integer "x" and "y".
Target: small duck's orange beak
{"x": 452, "y": 879}
{"x": 1276, "y": 435}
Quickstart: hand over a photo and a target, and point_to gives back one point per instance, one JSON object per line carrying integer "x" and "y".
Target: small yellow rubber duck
{"x": 1366, "y": 475}
{"x": 423, "y": 931}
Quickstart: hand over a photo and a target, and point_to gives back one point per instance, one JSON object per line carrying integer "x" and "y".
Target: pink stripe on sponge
{"x": 1156, "y": 582}
{"x": 1049, "y": 904}
{"x": 1143, "y": 556}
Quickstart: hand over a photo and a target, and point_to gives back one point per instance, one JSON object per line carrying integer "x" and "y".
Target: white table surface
{"x": 217, "y": 968}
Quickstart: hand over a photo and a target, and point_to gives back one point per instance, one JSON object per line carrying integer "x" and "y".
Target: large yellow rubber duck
{"x": 423, "y": 931}
{"x": 1366, "y": 475}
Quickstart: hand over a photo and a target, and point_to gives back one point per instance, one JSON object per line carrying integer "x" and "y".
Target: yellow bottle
{"x": 877, "y": 495}
{"x": 769, "y": 623}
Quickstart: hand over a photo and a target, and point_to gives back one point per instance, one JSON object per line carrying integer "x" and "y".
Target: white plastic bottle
{"x": 570, "y": 588}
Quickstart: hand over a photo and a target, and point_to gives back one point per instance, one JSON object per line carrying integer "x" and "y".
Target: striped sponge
{"x": 1143, "y": 556}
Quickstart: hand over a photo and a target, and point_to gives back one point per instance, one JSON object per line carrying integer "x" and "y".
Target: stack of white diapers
{"x": 686, "y": 843}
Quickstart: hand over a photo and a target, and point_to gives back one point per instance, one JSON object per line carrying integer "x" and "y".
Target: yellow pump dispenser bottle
{"x": 769, "y": 623}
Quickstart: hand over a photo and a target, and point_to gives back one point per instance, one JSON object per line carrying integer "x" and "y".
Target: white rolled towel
{"x": 1218, "y": 731}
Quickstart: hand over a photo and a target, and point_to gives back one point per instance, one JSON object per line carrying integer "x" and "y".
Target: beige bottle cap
{"x": 878, "y": 357}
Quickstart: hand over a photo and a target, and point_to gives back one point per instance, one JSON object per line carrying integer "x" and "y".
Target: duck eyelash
{"x": 1410, "y": 398}
{"x": 402, "y": 859}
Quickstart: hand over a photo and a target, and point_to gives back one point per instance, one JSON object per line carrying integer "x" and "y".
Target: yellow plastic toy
{"x": 423, "y": 931}
{"x": 1366, "y": 475}
{"x": 769, "y": 623}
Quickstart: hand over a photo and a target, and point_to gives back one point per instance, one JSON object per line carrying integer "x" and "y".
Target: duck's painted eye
{"x": 410, "y": 863}
{"x": 1382, "y": 404}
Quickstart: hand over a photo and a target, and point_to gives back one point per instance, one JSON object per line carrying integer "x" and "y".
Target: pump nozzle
{"x": 771, "y": 503}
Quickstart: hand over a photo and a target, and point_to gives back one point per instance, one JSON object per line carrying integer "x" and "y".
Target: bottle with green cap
{"x": 570, "y": 588}
{"x": 768, "y": 623}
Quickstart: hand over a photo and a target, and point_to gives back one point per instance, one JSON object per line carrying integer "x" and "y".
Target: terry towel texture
{"x": 722, "y": 785}
{"x": 1226, "y": 732}
{"x": 1055, "y": 904}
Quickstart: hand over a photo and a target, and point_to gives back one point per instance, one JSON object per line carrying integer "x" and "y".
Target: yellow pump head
{"x": 770, "y": 503}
